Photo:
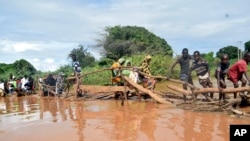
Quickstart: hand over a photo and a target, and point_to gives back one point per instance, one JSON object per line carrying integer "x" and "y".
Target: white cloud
{"x": 45, "y": 29}
{"x": 22, "y": 47}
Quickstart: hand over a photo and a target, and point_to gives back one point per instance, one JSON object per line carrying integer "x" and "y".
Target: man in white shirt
{"x": 23, "y": 82}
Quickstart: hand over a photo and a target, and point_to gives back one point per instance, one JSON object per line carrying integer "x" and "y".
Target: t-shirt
{"x": 221, "y": 68}
{"x": 200, "y": 67}
{"x": 77, "y": 67}
{"x": 24, "y": 81}
{"x": 184, "y": 64}
{"x": 134, "y": 76}
{"x": 238, "y": 69}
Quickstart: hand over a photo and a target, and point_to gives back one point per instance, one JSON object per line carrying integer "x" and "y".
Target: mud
{"x": 32, "y": 118}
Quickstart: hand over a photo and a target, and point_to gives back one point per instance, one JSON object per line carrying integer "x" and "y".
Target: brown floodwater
{"x": 34, "y": 118}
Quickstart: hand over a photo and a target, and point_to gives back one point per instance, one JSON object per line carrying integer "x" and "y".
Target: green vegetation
{"x": 232, "y": 52}
{"x": 84, "y": 57}
{"x": 19, "y": 68}
{"x": 159, "y": 66}
{"x": 119, "y": 41}
{"x": 247, "y": 46}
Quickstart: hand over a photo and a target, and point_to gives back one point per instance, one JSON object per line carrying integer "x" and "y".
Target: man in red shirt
{"x": 238, "y": 70}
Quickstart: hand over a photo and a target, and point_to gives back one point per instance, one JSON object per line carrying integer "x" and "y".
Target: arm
{"x": 191, "y": 69}
{"x": 172, "y": 67}
{"x": 218, "y": 76}
{"x": 247, "y": 77}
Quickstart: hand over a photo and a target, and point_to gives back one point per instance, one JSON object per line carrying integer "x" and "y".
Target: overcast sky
{"x": 43, "y": 32}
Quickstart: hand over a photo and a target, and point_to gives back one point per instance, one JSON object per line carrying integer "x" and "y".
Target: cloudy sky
{"x": 45, "y": 31}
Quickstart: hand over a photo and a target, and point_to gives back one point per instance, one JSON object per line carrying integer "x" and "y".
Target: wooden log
{"x": 92, "y": 89}
{"x": 140, "y": 88}
{"x": 50, "y": 89}
{"x": 169, "y": 79}
{"x": 186, "y": 92}
{"x": 88, "y": 73}
{"x": 207, "y": 90}
{"x": 100, "y": 96}
{"x": 175, "y": 88}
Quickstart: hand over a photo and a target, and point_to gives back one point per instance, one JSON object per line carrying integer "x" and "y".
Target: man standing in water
{"x": 77, "y": 74}
{"x": 184, "y": 62}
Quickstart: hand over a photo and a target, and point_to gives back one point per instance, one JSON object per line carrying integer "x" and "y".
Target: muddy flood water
{"x": 34, "y": 118}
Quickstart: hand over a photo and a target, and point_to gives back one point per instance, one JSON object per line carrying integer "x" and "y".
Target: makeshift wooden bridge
{"x": 91, "y": 89}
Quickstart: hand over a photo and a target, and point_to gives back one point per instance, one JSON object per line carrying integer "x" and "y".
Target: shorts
{"x": 183, "y": 77}
{"x": 205, "y": 82}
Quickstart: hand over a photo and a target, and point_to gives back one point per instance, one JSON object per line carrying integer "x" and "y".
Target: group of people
{"x": 23, "y": 84}
{"x": 234, "y": 73}
{"x": 140, "y": 74}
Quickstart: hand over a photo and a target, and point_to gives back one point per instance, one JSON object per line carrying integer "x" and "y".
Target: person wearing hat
{"x": 116, "y": 72}
{"x": 148, "y": 82}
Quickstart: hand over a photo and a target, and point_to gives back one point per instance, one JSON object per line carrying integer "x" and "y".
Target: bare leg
{"x": 236, "y": 85}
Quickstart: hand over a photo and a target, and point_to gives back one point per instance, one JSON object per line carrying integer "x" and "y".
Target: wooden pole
{"x": 207, "y": 90}
{"x": 153, "y": 95}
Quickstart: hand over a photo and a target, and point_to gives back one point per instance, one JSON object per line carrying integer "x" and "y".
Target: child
{"x": 220, "y": 74}
{"x": 201, "y": 68}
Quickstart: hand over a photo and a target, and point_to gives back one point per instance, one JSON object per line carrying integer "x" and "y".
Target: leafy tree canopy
{"x": 84, "y": 57}
{"x": 130, "y": 40}
{"x": 19, "y": 68}
{"x": 232, "y": 52}
{"x": 247, "y": 46}
{"x": 24, "y": 67}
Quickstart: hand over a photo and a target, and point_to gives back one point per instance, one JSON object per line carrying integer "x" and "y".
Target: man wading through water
{"x": 184, "y": 62}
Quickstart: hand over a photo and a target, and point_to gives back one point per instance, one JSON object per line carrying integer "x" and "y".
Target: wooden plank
{"x": 207, "y": 90}
{"x": 91, "y": 89}
{"x": 153, "y": 95}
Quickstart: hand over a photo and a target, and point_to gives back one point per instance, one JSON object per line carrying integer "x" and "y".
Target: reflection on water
{"x": 33, "y": 118}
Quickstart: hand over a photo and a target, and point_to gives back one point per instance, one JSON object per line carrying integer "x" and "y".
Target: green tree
{"x": 121, "y": 41}
{"x": 18, "y": 69}
{"x": 84, "y": 57}
{"x": 22, "y": 67}
{"x": 232, "y": 52}
{"x": 66, "y": 69}
{"x": 247, "y": 46}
